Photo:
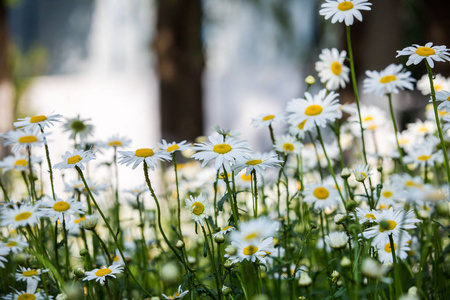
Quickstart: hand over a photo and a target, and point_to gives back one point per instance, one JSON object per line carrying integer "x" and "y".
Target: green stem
{"x": 399, "y": 149}
{"x": 355, "y": 90}
{"x": 5, "y": 194}
{"x": 232, "y": 199}
{"x": 436, "y": 114}
{"x": 110, "y": 231}
{"x": 398, "y": 287}
{"x": 47, "y": 154}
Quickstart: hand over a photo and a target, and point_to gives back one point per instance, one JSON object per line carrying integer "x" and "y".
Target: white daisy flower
{"x": 258, "y": 162}
{"x": 401, "y": 248}
{"x": 361, "y": 172}
{"x": 89, "y": 222}
{"x": 26, "y": 214}
{"x": 264, "y": 120}
{"x": 29, "y": 294}
{"x": 150, "y": 156}
{"x": 336, "y": 240}
{"x": 390, "y": 80}
{"x": 365, "y": 215}
{"x": 422, "y": 128}
{"x": 58, "y": 209}
{"x": 440, "y": 83}
{"x": 138, "y": 190}
{"x": 79, "y": 127}
{"x": 29, "y": 275}
{"x": 76, "y": 158}
{"x": 429, "y": 113}
{"x": 243, "y": 181}
{"x": 392, "y": 222}
{"x": 373, "y": 269}
{"x": 429, "y": 52}
{"x": 317, "y": 110}
{"x": 297, "y": 129}
{"x": 21, "y": 139}
{"x": 41, "y": 121}
{"x": 225, "y": 132}
{"x": 117, "y": 141}
{"x": 372, "y": 118}
{"x": 18, "y": 162}
{"x": 15, "y": 245}
{"x": 177, "y": 295}
{"x": 174, "y": 146}
{"x": 344, "y": 11}
{"x": 391, "y": 194}
{"x": 255, "y": 230}
{"x": 224, "y": 151}
{"x": 288, "y": 144}
{"x": 322, "y": 196}
{"x": 250, "y": 250}
{"x": 224, "y": 230}
{"x": 424, "y": 154}
{"x": 443, "y": 96}
{"x": 77, "y": 186}
{"x": 332, "y": 70}
{"x": 100, "y": 275}
{"x": 199, "y": 207}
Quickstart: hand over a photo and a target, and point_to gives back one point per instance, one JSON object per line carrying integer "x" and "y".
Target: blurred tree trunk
{"x": 180, "y": 59}
{"x": 6, "y": 89}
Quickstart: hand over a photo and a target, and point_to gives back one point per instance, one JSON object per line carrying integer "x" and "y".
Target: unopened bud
{"x": 84, "y": 252}
{"x": 231, "y": 250}
{"x": 180, "y": 244}
{"x": 442, "y": 209}
{"x": 351, "y": 205}
{"x": 310, "y": 80}
{"x": 78, "y": 273}
{"x": 345, "y": 173}
{"x": 226, "y": 290}
{"x": 228, "y": 264}
{"x": 304, "y": 280}
{"x": 335, "y": 276}
{"x": 346, "y": 262}
{"x": 219, "y": 239}
{"x": 19, "y": 258}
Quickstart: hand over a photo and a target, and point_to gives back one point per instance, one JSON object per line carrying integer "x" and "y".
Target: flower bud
{"x": 180, "y": 244}
{"x": 335, "y": 276}
{"x": 339, "y": 219}
{"x": 19, "y": 258}
{"x": 89, "y": 222}
{"x": 351, "y": 205}
{"x": 170, "y": 272}
{"x": 226, "y": 290}
{"x": 345, "y": 173}
{"x": 231, "y": 250}
{"x": 304, "y": 280}
{"x": 78, "y": 273}
{"x": 310, "y": 80}
{"x": 84, "y": 252}
{"x": 228, "y": 264}
{"x": 346, "y": 262}
{"x": 219, "y": 239}
{"x": 442, "y": 209}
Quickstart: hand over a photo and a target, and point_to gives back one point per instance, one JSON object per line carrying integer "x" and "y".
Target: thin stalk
{"x": 110, "y": 231}
{"x": 317, "y": 156}
{"x": 232, "y": 199}
{"x": 438, "y": 124}
{"x": 5, "y": 194}
{"x": 398, "y": 287}
{"x": 47, "y": 154}
{"x": 66, "y": 246}
{"x": 109, "y": 258}
{"x": 399, "y": 149}
{"x": 30, "y": 176}
{"x": 174, "y": 159}
{"x": 355, "y": 90}
{"x": 216, "y": 275}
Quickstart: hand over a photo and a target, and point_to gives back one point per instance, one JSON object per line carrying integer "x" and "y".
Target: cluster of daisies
{"x": 260, "y": 208}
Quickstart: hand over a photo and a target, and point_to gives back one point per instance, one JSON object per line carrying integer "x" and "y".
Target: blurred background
{"x": 152, "y": 69}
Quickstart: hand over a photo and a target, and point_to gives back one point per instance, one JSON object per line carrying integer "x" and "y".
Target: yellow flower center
{"x": 425, "y": 51}
{"x": 197, "y": 208}
{"x": 250, "y": 250}
{"x": 336, "y": 68}
{"x": 448, "y": 99}
{"x": 364, "y": 175}
{"x": 392, "y": 225}
{"x": 388, "y": 248}
{"x": 226, "y": 228}
{"x": 424, "y": 157}
{"x": 222, "y": 148}
{"x": 21, "y": 162}
{"x": 253, "y": 162}
{"x": 268, "y": 117}
{"x": 388, "y": 78}
{"x": 29, "y": 273}
{"x": 11, "y": 244}
{"x": 26, "y": 296}
{"x": 423, "y": 129}
{"x": 313, "y": 110}
{"x": 410, "y": 183}
{"x": 367, "y": 119}
{"x": 288, "y": 147}
{"x": 173, "y": 148}
{"x": 37, "y": 119}
{"x": 115, "y": 143}
{"x": 28, "y": 139}
{"x": 246, "y": 177}
{"x": 382, "y": 206}
{"x": 251, "y": 236}
{"x": 344, "y": 6}
{"x": 321, "y": 193}
{"x": 387, "y": 194}
{"x": 301, "y": 125}
{"x": 74, "y": 159}
{"x": 61, "y": 206}
{"x": 23, "y": 216}
{"x": 144, "y": 152}
{"x": 116, "y": 258}
{"x": 370, "y": 216}
{"x": 103, "y": 272}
